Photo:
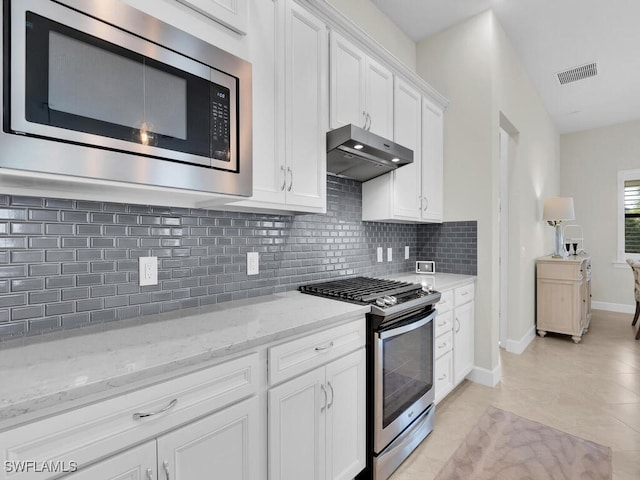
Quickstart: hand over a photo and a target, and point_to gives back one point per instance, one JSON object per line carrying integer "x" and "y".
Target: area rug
{"x": 504, "y": 446}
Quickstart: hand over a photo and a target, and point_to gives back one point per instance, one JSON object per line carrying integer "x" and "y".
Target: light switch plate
{"x": 425, "y": 267}
{"x": 147, "y": 271}
{"x": 406, "y": 252}
{"x": 389, "y": 254}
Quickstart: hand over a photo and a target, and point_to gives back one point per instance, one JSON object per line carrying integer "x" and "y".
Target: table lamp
{"x": 555, "y": 211}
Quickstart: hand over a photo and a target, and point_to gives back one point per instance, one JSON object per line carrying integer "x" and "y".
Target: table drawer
{"x": 93, "y": 432}
{"x": 298, "y": 356}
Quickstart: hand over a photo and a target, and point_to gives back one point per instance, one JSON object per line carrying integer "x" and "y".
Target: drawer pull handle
{"x": 464, "y": 294}
{"x": 139, "y": 415}
{"x": 442, "y": 302}
{"x": 442, "y": 324}
{"x": 442, "y": 377}
{"x": 165, "y": 465}
{"x": 458, "y": 322}
{"x": 442, "y": 345}
{"x": 324, "y": 348}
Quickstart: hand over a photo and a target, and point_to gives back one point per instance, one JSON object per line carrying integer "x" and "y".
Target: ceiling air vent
{"x": 577, "y": 73}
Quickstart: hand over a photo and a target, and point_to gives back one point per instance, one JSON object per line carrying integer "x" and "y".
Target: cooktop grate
{"x": 359, "y": 289}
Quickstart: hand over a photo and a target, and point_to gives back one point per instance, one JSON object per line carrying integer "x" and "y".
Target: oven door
{"x": 403, "y": 375}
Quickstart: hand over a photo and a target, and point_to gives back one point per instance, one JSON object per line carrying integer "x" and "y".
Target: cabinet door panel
{"x": 408, "y": 133}
{"x": 379, "y": 98}
{"x": 347, "y": 83}
{"x": 463, "y": 341}
{"x": 306, "y": 59}
{"x": 345, "y": 380}
{"x": 297, "y": 428}
{"x": 432, "y": 161}
{"x": 137, "y": 463}
{"x": 226, "y": 442}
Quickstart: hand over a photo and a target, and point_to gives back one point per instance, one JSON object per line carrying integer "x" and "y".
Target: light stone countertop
{"x": 54, "y": 373}
{"x": 45, "y": 377}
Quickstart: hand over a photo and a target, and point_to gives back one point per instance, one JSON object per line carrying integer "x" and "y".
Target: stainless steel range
{"x": 400, "y": 383}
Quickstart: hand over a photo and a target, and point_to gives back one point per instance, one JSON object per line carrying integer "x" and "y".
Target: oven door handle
{"x": 407, "y": 328}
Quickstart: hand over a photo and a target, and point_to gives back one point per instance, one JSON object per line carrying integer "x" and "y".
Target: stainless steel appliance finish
{"x": 400, "y": 375}
{"x": 356, "y": 153}
{"x": 47, "y": 148}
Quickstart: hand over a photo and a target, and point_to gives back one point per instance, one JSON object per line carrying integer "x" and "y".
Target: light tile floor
{"x": 591, "y": 390}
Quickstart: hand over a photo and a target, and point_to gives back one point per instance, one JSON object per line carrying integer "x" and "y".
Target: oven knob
{"x": 380, "y": 302}
{"x": 390, "y": 300}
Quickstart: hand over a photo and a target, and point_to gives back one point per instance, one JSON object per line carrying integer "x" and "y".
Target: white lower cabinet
{"x": 137, "y": 463}
{"x": 454, "y": 343}
{"x": 317, "y": 421}
{"x": 224, "y": 443}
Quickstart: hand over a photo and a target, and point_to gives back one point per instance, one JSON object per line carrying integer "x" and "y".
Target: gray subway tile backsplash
{"x": 70, "y": 263}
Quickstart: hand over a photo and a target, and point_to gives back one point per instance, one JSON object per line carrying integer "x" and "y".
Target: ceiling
{"x": 551, "y": 36}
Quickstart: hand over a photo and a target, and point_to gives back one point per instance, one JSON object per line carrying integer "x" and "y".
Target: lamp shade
{"x": 558, "y": 208}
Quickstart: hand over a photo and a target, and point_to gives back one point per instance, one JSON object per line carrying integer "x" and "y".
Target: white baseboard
{"x": 519, "y": 346}
{"x": 489, "y": 378}
{"x": 613, "y": 307}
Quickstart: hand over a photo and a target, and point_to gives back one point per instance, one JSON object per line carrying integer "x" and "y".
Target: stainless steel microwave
{"x": 99, "y": 89}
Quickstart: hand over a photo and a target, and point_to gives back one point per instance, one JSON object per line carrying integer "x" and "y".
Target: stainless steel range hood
{"x": 356, "y": 153}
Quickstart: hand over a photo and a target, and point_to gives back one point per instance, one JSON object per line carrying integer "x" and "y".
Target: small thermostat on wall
{"x": 425, "y": 267}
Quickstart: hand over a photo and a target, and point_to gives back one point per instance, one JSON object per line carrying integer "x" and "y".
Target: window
{"x": 628, "y": 214}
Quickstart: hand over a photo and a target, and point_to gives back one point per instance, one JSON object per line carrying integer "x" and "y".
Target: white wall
{"x": 474, "y": 66}
{"x": 371, "y": 19}
{"x": 590, "y": 163}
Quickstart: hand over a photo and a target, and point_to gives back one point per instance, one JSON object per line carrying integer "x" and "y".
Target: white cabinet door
{"x": 137, "y": 463}
{"x": 408, "y": 133}
{"x": 379, "y": 98}
{"x": 306, "y": 64}
{"x": 432, "y": 161}
{"x": 347, "y": 83}
{"x": 463, "y": 341}
{"x": 346, "y": 447}
{"x": 223, "y": 445}
{"x": 297, "y": 428}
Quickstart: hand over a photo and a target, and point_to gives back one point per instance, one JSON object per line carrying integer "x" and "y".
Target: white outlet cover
{"x": 406, "y": 252}
{"x": 253, "y": 263}
{"x": 379, "y": 254}
{"x": 389, "y": 254}
{"x": 147, "y": 271}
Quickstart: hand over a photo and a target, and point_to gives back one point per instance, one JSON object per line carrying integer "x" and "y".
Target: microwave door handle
{"x": 407, "y": 328}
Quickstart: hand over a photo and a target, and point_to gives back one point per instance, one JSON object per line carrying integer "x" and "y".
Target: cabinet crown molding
{"x": 337, "y": 21}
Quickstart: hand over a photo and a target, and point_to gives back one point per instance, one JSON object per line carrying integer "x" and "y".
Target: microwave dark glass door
{"x": 407, "y": 370}
{"x": 82, "y": 83}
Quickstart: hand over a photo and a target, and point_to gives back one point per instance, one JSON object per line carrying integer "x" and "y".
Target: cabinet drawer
{"x": 297, "y": 356}
{"x": 95, "y": 431}
{"x": 443, "y": 372}
{"x": 464, "y": 294}
{"x": 444, "y": 344}
{"x": 560, "y": 271}
{"x": 444, "y": 323}
{"x": 446, "y": 301}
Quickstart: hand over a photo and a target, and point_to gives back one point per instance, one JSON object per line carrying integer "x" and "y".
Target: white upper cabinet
{"x": 361, "y": 89}
{"x": 412, "y": 193}
{"x": 432, "y": 162}
{"x": 289, "y": 53}
{"x": 230, "y": 13}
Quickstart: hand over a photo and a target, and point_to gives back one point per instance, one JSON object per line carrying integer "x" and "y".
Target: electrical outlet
{"x": 389, "y": 254}
{"x": 253, "y": 263}
{"x": 379, "y": 253}
{"x": 147, "y": 271}
{"x": 406, "y": 252}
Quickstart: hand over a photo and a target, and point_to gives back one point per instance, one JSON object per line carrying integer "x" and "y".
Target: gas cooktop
{"x": 385, "y": 296}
